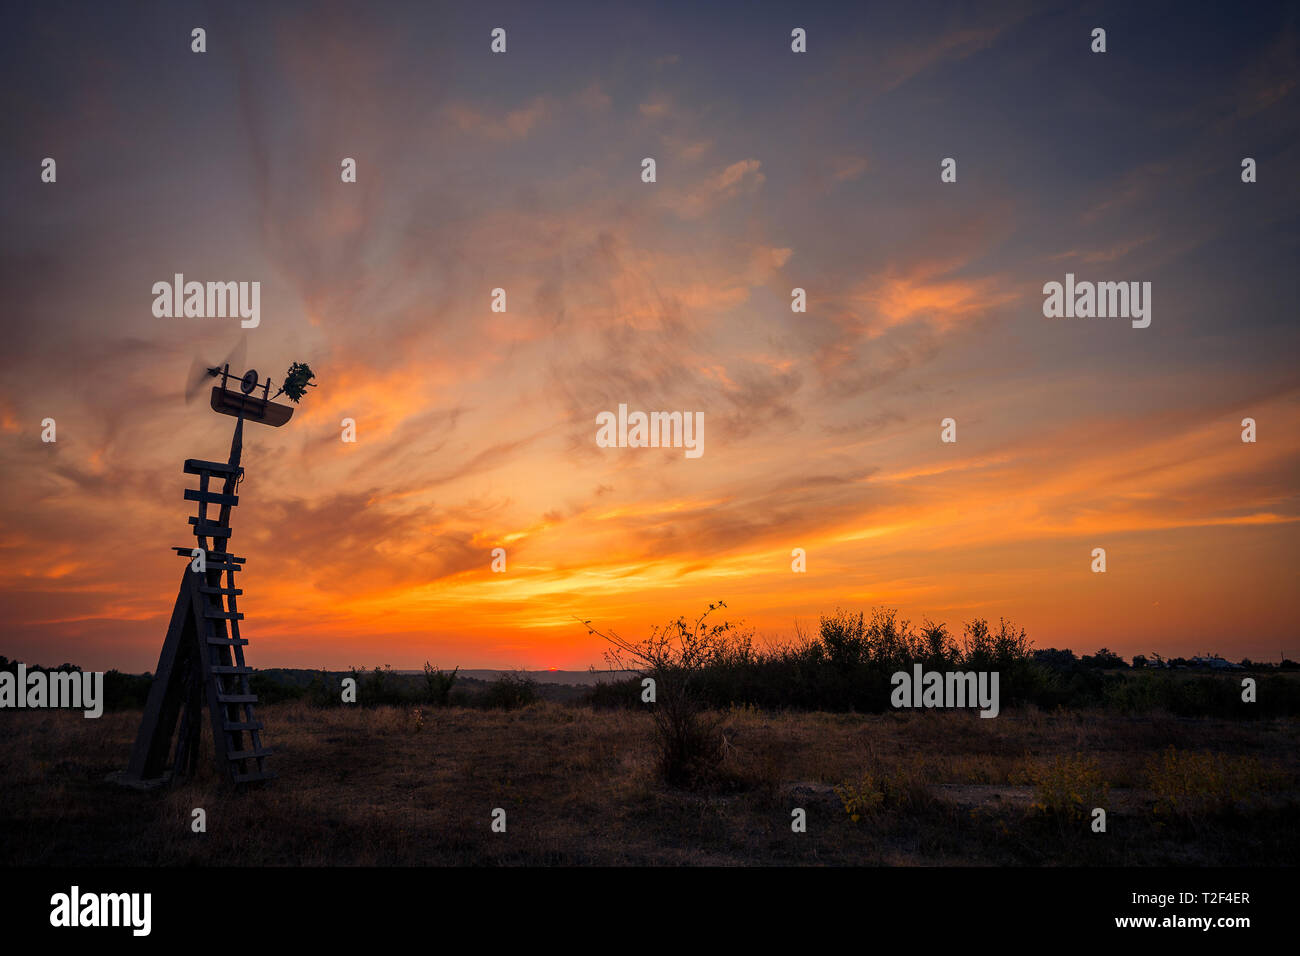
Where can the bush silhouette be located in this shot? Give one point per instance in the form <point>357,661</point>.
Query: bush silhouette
<point>686,736</point>
<point>510,691</point>
<point>438,684</point>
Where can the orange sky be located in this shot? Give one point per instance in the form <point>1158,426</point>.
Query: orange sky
<point>477,429</point>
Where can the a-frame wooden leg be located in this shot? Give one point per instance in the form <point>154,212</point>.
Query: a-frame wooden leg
<point>167,693</point>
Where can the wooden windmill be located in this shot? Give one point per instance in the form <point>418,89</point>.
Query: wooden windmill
<point>202,661</point>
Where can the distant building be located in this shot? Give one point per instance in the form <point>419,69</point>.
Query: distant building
<point>1215,664</point>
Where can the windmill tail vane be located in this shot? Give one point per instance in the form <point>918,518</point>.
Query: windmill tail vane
<point>202,666</point>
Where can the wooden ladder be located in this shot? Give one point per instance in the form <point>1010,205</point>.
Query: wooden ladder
<point>222,680</point>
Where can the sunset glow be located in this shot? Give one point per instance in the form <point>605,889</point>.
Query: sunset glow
<point>476,429</point>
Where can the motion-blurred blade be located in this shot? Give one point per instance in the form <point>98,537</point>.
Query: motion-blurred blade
<point>201,371</point>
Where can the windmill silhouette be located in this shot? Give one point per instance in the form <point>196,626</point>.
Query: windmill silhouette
<point>202,665</point>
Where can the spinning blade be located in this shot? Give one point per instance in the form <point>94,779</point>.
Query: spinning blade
<point>201,371</point>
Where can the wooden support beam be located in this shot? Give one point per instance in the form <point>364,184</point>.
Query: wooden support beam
<point>195,466</point>
<point>166,693</point>
<point>211,497</point>
<point>208,529</point>
<point>243,725</point>
<point>221,555</point>
<point>248,754</point>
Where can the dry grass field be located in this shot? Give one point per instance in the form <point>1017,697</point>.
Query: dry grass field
<point>417,787</point>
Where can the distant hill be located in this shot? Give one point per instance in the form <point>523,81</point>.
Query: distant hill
<point>408,686</point>
<point>575,678</point>
<point>301,677</point>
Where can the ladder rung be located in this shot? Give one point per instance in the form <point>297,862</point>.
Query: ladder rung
<point>243,725</point>
<point>211,497</point>
<point>229,641</point>
<point>223,555</point>
<point>208,529</point>
<point>248,754</point>
<point>230,669</point>
<point>254,777</point>
<point>237,698</point>
<point>207,589</point>
<point>196,466</point>
<point>223,615</point>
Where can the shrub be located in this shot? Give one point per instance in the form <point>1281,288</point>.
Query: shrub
<point>899,788</point>
<point>687,738</point>
<point>1189,785</point>
<point>847,665</point>
<point>1104,658</point>
<point>438,684</point>
<point>373,688</point>
<point>325,690</point>
<point>1068,788</point>
<point>938,650</point>
<point>125,691</point>
<point>1055,659</point>
<point>617,694</point>
<point>843,639</point>
<point>510,691</point>
<point>861,799</point>
<point>271,691</point>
